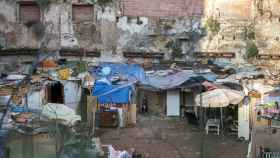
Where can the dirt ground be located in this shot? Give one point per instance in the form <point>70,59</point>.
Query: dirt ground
<point>156,137</point>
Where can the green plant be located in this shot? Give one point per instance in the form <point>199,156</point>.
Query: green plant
<point>44,4</point>
<point>102,3</point>
<point>74,142</point>
<point>250,34</point>
<point>252,50</point>
<point>212,25</point>
<point>176,48</point>
<point>81,67</point>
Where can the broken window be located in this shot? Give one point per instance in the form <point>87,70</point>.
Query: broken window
<point>82,13</point>
<point>55,93</point>
<point>29,12</point>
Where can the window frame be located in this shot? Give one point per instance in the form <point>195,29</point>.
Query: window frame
<point>22,3</point>
<point>81,5</point>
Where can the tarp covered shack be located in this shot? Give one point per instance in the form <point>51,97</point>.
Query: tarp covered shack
<point>115,82</point>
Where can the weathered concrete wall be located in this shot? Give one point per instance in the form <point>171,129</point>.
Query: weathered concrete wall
<point>229,9</point>
<point>267,29</point>
<point>117,27</point>
<point>15,34</point>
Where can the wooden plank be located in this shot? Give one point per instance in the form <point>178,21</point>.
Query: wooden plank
<point>143,55</point>
<point>91,109</point>
<point>34,52</point>
<point>214,54</point>
<point>268,56</point>
<point>79,52</point>
<point>132,113</point>
<point>16,52</point>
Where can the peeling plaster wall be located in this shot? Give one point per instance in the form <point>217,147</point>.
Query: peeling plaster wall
<point>112,33</point>
<point>267,29</point>
<point>68,39</point>
<point>229,9</point>
<point>18,35</point>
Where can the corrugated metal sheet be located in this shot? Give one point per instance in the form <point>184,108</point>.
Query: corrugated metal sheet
<point>271,155</point>
<point>163,8</point>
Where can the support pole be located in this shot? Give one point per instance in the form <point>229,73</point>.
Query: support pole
<point>201,123</point>
<point>91,109</point>
<point>222,124</point>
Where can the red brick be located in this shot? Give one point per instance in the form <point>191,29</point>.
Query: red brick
<point>163,8</point>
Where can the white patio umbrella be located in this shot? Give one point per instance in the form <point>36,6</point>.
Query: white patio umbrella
<point>219,98</point>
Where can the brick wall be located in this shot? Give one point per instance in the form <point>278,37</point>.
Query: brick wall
<point>163,8</point>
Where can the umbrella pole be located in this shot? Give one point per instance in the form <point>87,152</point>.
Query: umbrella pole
<point>221,110</point>
<point>201,123</point>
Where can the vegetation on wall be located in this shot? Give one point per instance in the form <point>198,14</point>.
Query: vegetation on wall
<point>175,46</point>
<point>44,4</point>
<point>252,50</point>
<point>39,30</point>
<point>213,26</point>
<point>250,34</point>
<point>102,3</point>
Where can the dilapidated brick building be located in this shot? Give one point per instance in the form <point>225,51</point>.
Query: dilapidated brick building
<point>140,30</point>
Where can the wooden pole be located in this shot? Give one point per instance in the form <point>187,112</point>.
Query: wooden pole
<point>91,109</point>
<point>222,124</point>
<point>201,122</point>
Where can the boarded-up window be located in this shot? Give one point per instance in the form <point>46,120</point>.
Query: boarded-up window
<point>29,12</point>
<point>81,13</point>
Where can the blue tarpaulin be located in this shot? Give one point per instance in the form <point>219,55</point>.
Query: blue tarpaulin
<point>107,93</point>
<point>119,92</point>
<point>128,71</point>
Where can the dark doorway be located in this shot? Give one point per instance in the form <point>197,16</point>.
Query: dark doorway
<point>55,93</point>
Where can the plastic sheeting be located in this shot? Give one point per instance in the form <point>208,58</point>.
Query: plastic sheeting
<point>107,93</point>
<point>128,71</point>
<point>174,80</point>
<point>117,154</point>
<point>269,99</point>
<point>60,112</point>
<point>168,81</point>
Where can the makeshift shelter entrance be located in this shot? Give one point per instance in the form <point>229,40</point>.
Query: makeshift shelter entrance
<point>113,101</point>
<point>170,83</point>
<point>55,93</point>
<point>115,92</point>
